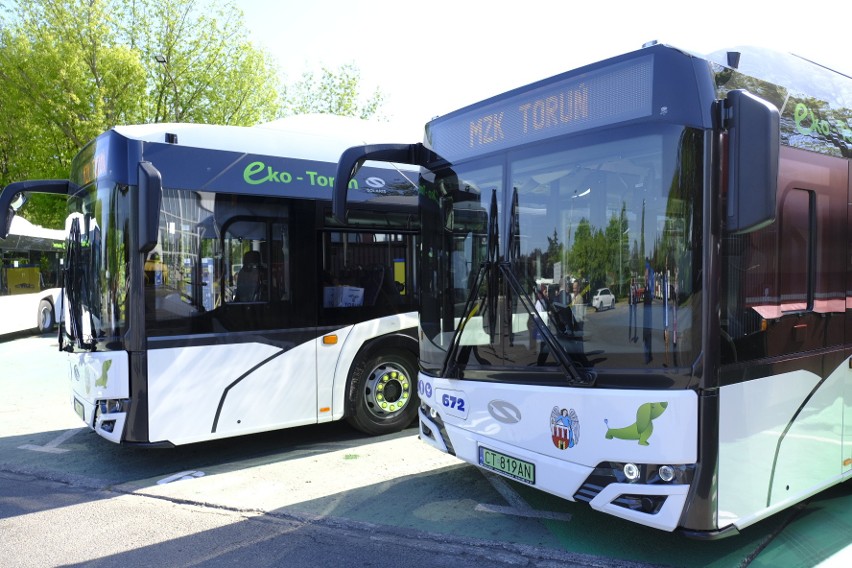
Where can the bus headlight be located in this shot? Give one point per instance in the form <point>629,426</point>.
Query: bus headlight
<point>113,406</point>
<point>649,475</point>
<point>631,471</point>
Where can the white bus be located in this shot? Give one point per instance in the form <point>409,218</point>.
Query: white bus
<point>711,194</point>
<point>210,294</point>
<point>30,265</point>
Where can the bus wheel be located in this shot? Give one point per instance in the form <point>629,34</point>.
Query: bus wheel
<point>383,393</point>
<point>45,316</point>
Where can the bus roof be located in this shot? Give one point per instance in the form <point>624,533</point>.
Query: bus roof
<point>294,157</point>
<point>797,75</point>
<point>313,136</point>
<point>793,73</point>
<point>814,102</point>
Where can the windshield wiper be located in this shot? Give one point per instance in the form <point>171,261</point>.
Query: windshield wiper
<point>72,252</point>
<point>576,375</point>
<point>74,281</point>
<point>472,307</point>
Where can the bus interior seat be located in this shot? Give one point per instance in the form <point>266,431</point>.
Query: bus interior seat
<point>249,278</point>
<point>372,280</point>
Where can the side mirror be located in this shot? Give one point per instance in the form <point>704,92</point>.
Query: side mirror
<point>18,201</point>
<point>7,223</point>
<point>14,195</point>
<point>150,201</point>
<point>352,159</point>
<point>754,139</point>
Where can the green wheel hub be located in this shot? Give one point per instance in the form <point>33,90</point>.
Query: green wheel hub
<point>388,390</point>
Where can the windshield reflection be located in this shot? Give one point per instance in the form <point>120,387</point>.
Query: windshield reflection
<point>598,244</point>
<point>96,269</point>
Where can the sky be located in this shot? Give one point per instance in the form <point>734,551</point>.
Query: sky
<point>430,57</point>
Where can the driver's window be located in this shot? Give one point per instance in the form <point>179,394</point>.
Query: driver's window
<point>245,246</point>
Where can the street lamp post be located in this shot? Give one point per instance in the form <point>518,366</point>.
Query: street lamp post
<point>163,60</point>
<point>620,260</point>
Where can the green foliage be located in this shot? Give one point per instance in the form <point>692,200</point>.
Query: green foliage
<point>62,84</point>
<point>72,69</point>
<point>332,93</point>
<point>555,252</point>
<point>45,210</point>
<point>200,64</point>
<point>600,257</point>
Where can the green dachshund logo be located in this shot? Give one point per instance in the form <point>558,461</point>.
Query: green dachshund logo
<point>102,381</point>
<point>643,427</point>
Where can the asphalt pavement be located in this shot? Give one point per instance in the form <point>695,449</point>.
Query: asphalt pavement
<point>321,495</point>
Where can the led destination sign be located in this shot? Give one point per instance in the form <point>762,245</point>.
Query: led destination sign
<point>614,94</point>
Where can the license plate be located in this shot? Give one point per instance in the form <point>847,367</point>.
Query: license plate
<point>78,408</point>
<point>507,465</point>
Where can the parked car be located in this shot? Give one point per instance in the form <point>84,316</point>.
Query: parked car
<point>603,298</point>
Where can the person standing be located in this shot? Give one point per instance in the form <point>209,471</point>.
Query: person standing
<point>578,307</point>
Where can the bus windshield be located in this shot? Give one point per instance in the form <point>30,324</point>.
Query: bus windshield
<point>97,261</point>
<point>594,252</point>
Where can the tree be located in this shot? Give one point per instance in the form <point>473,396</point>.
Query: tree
<point>71,69</point>
<point>617,248</point>
<point>200,64</point>
<point>555,252</point>
<point>57,88</point>
<point>579,255</point>
<point>332,93</point>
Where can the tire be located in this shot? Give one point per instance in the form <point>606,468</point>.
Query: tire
<point>612,304</point>
<point>383,392</point>
<point>45,316</point>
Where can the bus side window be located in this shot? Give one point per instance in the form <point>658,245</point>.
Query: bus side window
<point>258,253</point>
<point>247,253</point>
<point>364,269</point>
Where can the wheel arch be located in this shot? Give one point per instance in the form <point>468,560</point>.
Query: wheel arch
<point>405,340</point>
<point>381,385</point>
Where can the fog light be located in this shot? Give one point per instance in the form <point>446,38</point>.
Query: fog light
<point>667,473</point>
<point>108,426</point>
<point>631,471</point>
<point>112,406</point>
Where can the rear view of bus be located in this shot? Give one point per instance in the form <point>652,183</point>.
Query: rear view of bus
<point>688,399</point>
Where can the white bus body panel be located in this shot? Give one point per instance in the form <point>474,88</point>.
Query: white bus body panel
<point>334,362</point>
<point>20,312</point>
<point>253,387</point>
<point>522,429</point>
<point>772,453</point>
<point>99,376</point>
<point>216,391</point>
